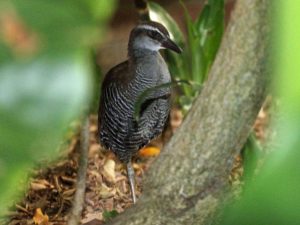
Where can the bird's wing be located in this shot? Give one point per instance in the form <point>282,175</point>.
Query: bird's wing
<point>113,110</point>
<point>152,120</point>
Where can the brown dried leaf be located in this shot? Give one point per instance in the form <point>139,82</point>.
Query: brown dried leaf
<point>94,148</point>
<point>93,127</point>
<point>108,204</point>
<point>69,192</point>
<point>106,192</point>
<point>68,179</point>
<point>92,216</point>
<point>176,119</point>
<point>94,173</point>
<point>40,185</point>
<point>109,170</point>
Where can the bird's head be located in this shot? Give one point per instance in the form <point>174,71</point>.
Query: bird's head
<point>151,36</point>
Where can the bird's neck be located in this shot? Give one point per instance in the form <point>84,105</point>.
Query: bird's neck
<point>135,55</point>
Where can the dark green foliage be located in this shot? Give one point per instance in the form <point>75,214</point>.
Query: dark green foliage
<point>251,154</point>
<point>108,215</point>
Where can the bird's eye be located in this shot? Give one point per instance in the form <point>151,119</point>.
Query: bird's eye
<point>155,35</point>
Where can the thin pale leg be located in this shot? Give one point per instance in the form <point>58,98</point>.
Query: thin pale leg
<point>131,179</point>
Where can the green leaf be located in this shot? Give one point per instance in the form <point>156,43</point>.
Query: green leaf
<point>108,215</point>
<point>190,27</point>
<point>186,103</point>
<point>195,58</point>
<point>201,24</point>
<point>198,62</point>
<point>251,153</point>
<point>210,28</point>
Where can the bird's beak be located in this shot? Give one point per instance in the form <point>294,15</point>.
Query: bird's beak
<point>169,44</point>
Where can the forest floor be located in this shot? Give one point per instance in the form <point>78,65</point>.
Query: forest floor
<point>51,189</point>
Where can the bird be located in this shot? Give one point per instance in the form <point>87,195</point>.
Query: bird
<point>119,130</point>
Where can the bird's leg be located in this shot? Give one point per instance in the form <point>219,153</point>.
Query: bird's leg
<point>131,179</point>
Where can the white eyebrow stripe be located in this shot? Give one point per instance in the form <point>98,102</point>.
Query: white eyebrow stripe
<point>147,27</point>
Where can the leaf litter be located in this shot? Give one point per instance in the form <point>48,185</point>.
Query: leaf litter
<point>48,199</point>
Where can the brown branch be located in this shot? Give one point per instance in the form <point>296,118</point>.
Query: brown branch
<point>187,183</point>
<point>75,215</point>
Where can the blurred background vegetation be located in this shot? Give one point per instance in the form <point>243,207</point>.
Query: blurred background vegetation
<point>47,79</point>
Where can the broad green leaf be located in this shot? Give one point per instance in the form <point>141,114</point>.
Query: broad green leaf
<point>196,58</point>
<point>186,103</point>
<point>191,43</point>
<point>198,62</point>
<point>251,153</point>
<point>210,27</point>
<point>190,27</point>
<point>202,22</point>
<point>215,35</point>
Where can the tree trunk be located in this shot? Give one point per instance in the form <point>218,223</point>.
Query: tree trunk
<point>187,182</point>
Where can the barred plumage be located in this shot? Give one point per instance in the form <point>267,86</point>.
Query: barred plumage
<point>121,88</point>
<point>119,131</point>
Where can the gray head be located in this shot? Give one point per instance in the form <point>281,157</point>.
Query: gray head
<point>151,36</point>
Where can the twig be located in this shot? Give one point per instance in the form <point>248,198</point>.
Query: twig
<point>22,209</point>
<point>75,215</point>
